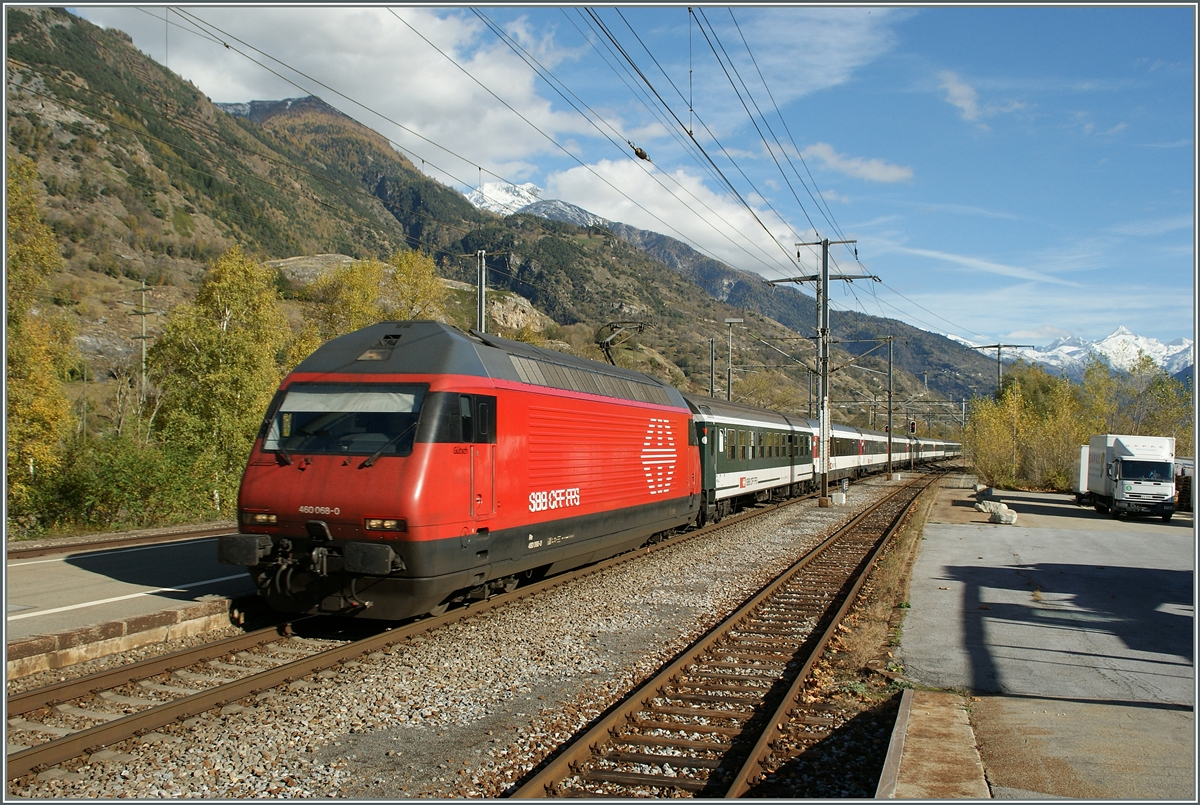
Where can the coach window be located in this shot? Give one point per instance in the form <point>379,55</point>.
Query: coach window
<point>742,445</point>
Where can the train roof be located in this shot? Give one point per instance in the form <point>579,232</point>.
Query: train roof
<point>429,347</point>
<point>711,406</point>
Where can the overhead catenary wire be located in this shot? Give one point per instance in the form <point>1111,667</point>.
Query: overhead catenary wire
<point>825,210</point>
<point>534,126</point>
<point>753,121</point>
<point>657,176</point>
<point>732,188</point>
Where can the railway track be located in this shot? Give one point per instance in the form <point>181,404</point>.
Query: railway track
<point>51,725</point>
<point>34,549</point>
<point>725,714</point>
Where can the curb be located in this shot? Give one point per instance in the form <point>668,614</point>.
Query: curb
<point>31,655</point>
<point>891,766</point>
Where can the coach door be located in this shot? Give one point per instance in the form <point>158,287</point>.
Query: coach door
<point>480,412</point>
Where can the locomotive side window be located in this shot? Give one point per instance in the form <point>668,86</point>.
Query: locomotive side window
<point>458,419</point>
<point>466,416</point>
<point>483,428</point>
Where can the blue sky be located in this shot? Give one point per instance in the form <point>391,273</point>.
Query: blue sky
<point>1010,173</point>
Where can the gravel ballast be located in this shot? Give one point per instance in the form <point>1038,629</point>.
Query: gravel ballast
<point>471,708</point>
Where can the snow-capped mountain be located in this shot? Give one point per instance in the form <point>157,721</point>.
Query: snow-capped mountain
<point>1119,350</point>
<point>504,198</point>
<point>557,210</point>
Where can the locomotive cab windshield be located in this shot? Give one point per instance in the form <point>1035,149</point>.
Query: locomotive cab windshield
<point>344,419</point>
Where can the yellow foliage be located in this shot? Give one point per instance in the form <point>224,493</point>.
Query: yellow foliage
<point>366,292</point>
<point>218,363</point>
<point>39,344</point>
<point>767,390</point>
<point>1030,437</point>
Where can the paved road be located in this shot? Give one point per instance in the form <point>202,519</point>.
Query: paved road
<point>1065,603</point>
<point>1074,632</point>
<point>65,592</point>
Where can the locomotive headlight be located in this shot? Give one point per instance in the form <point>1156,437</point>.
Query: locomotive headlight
<point>259,518</point>
<point>385,524</point>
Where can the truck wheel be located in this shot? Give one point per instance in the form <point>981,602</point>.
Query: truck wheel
<point>1100,508</point>
<point>1166,518</point>
<point>1112,512</point>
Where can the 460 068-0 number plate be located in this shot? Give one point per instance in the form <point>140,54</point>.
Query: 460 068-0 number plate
<point>553,499</point>
<point>320,510</point>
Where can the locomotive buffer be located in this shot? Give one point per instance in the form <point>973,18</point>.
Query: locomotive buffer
<point>821,282</point>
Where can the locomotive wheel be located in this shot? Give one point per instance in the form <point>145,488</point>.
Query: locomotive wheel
<point>440,609</point>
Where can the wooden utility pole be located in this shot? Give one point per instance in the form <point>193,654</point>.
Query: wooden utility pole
<point>822,281</point>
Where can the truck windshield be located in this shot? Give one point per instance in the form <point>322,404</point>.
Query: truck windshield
<point>1146,471</point>
<point>345,419</point>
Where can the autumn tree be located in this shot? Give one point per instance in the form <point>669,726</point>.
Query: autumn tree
<point>993,436</point>
<point>767,390</point>
<point>39,347</point>
<point>217,365</point>
<point>365,292</point>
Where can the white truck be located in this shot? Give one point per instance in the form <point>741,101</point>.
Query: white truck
<point>1132,475</point>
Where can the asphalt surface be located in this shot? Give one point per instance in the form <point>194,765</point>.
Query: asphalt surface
<point>1074,634</point>
<point>51,594</point>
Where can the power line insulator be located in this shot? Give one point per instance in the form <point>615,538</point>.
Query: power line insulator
<point>639,152</point>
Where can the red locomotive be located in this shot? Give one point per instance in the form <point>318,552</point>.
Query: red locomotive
<point>409,465</point>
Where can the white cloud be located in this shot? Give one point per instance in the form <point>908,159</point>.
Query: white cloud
<point>1160,226</point>
<point>872,170</point>
<point>370,55</point>
<point>960,94</point>
<point>1047,332</point>
<point>963,95</point>
<point>682,207</point>
<point>981,265</point>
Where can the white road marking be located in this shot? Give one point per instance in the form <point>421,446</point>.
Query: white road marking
<point>181,588</point>
<point>67,556</point>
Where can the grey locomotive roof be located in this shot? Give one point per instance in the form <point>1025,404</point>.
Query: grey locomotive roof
<point>428,347</point>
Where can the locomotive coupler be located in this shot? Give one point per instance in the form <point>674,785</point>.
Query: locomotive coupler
<point>319,559</point>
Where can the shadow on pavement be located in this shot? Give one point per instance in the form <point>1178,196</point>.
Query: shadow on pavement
<point>1148,609</point>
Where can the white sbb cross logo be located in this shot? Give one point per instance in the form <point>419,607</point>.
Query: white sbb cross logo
<point>658,456</point>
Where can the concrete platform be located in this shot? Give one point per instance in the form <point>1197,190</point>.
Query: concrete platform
<point>1068,637</point>
<point>932,754</point>
<point>87,603</point>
